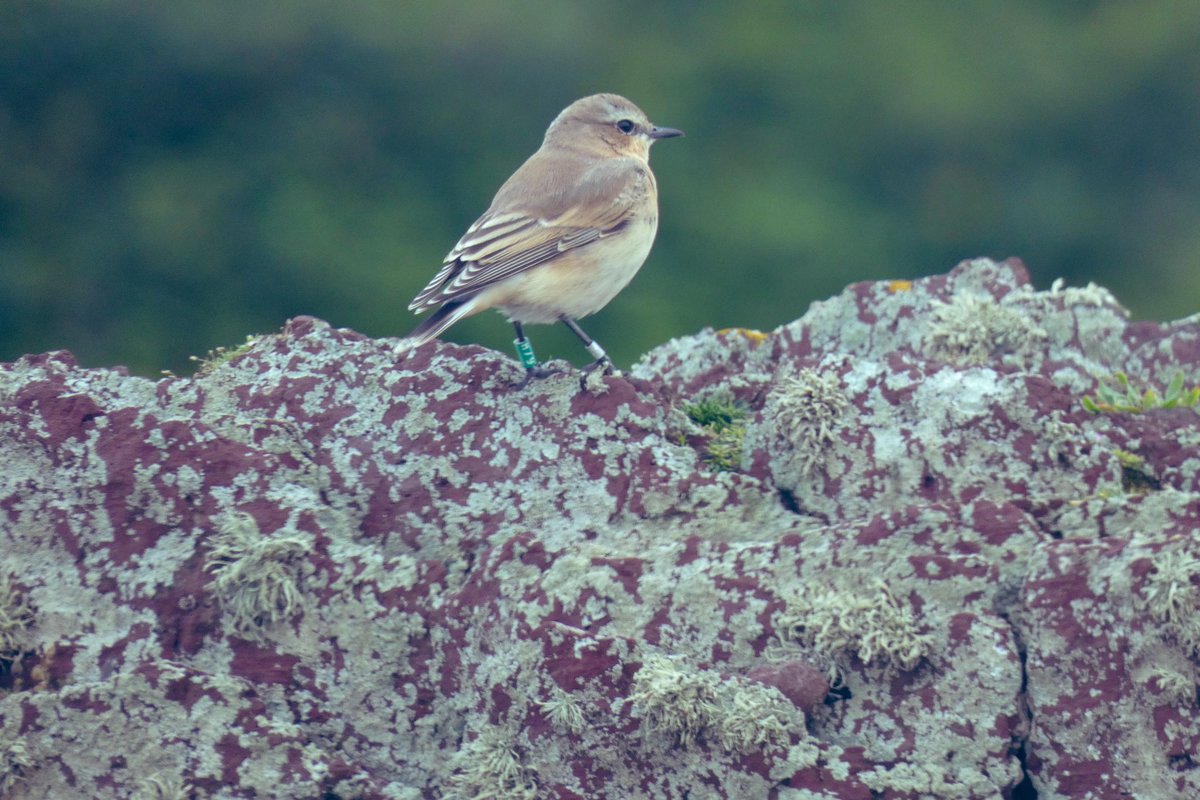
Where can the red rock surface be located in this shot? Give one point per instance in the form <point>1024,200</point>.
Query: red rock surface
<point>317,572</point>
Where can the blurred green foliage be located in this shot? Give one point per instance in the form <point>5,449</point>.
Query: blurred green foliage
<point>174,176</point>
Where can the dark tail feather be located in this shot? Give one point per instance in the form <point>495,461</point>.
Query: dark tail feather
<point>432,326</point>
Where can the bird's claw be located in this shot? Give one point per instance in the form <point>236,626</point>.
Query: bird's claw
<point>536,374</point>
<point>604,365</point>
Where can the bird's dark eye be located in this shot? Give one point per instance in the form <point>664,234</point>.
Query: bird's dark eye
<point>626,126</point>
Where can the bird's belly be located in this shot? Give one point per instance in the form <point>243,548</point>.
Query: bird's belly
<point>578,283</point>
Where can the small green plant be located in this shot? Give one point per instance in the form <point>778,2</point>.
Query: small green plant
<point>207,364</point>
<point>1123,398</point>
<point>723,421</point>
<point>716,413</point>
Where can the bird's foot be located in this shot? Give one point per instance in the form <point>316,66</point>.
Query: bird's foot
<point>601,365</point>
<point>536,373</point>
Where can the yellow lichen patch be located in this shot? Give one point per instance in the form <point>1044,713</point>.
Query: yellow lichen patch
<point>899,286</point>
<point>753,336</point>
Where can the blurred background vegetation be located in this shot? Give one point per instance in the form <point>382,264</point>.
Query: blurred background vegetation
<point>174,176</point>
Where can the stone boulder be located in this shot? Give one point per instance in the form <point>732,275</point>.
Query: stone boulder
<point>883,551</point>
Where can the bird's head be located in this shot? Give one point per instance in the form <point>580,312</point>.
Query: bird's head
<point>606,124</point>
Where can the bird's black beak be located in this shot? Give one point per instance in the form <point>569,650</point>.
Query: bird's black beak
<point>664,133</point>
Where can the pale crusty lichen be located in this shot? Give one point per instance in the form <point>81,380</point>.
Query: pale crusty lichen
<point>864,621</point>
<point>257,578</point>
<point>491,768</point>
<point>973,329</point>
<point>915,779</point>
<point>15,619</point>
<point>805,410</point>
<point>688,706</point>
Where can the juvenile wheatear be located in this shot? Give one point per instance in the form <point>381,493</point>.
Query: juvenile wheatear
<point>564,234</point>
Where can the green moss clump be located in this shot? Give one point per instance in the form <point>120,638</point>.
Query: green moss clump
<point>723,421</point>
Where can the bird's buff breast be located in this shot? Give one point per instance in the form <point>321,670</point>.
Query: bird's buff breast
<point>579,282</point>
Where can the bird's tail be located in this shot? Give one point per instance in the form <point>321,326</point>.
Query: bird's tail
<point>433,326</point>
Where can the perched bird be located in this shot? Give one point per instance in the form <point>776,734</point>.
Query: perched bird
<point>564,234</point>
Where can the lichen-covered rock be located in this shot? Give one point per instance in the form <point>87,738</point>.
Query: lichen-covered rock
<point>312,571</point>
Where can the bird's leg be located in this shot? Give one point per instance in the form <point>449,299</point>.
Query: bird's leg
<point>593,347</point>
<point>528,359</point>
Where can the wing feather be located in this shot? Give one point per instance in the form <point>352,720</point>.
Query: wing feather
<point>513,237</point>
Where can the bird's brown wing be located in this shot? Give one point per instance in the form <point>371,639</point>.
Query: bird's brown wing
<point>520,233</point>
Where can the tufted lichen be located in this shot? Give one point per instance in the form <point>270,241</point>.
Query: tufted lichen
<point>257,578</point>
<point>1170,594</point>
<point>490,768</point>
<point>836,623</point>
<point>15,764</point>
<point>15,618</point>
<point>164,787</point>
<point>689,706</point>
<point>806,410</point>
<point>973,329</point>
<point>1174,685</point>
<point>563,712</point>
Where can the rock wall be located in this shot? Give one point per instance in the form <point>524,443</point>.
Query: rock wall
<point>882,551</point>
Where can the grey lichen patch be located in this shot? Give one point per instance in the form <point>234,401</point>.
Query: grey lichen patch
<point>860,620</point>
<point>258,578</point>
<point>491,768</point>
<point>688,706</point>
<point>1171,596</point>
<point>805,411</point>
<point>930,780</point>
<point>15,619</point>
<point>973,329</point>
